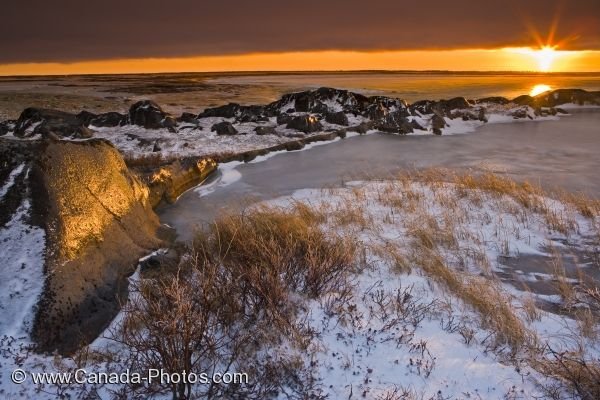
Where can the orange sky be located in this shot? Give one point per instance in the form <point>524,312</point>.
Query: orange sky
<point>517,59</point>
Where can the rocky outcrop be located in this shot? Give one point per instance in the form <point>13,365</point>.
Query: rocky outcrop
<point>239,112</point>
<point>98,222</point>
<point>50,123</point>
<point>150,115</point>
<point>338,118</point>
<point>437,124</point>
<point>265,130</point>
<point>305,123</point>
<point>224,128</point>
<point>170,181</point>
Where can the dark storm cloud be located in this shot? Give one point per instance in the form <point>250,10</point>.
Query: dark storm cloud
<point>46,30</point>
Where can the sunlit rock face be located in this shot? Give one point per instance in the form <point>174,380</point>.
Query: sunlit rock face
<point>98,222</point>
<point>168,182</point>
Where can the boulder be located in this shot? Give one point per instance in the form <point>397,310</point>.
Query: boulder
<point>224,128</point>
<point>362,128</point>
<point>6,126</point>
<point>305,123</point>
<point>338,118</point>
<point>109,119</point>
<point>265,130</point>
<point>524,100</point>
<point>394,122</point>
<point>437,124</point>
<point>97,222</point>
<point>230,110</point>
<point>188,118</point>
<point>33,121</point>
<point>85,117</point>
<point>284,119</point>
<point>493,100</point>
<point>148,114</point>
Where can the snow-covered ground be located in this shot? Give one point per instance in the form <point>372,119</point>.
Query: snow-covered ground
<point>403,331</point>
<point>198,140</point>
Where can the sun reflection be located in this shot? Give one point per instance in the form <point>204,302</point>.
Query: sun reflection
<point>538,89</point>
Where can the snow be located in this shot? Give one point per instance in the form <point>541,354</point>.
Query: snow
<point>364,358</point>
<point>11,180</point>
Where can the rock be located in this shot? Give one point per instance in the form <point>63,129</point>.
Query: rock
<point>46,122</point>
<point>224,128</point>
<point>85,117</point>
<point>437,124</point>
<point>230,110</point>
<point>305,123</point>
<point>109,119</point>
<point>188,118</point>
<point>233,110</point>
<point>284,119</point>
<point>524,100</point>
<point>97,222</point>
<point>6,126</point>
<point>265,130</point>
<point>493,100</point>
<point>375,112</point>
<point>148,114</point>
<point>564,96</point>
<point>523,112</point>
<point>442,107</point>
<point>561,110</point>
<point>394,122</point>
<point>338,118</point>
<point>362,128</point>
<point>320,101</point>
<point>456,103</point>
<point>168,182</point>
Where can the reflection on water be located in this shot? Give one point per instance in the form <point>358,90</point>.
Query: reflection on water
<point>539,89</point>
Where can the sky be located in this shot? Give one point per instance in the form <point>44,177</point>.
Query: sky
<point>97,36</point>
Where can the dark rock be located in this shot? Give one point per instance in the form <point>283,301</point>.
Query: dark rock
<point>394,122</point>
<point>46,122</point>
<point>375,112</point>
<point>188,118</point>
<point>265,130</point>
<point>6,126</point>
<point>109,119</point>
<point>493,100</point>
<point>85,117</point>
<point>224,128</point>
<point>320,108</point>
<point>305,123</point>
<point>521,113</point>
<point>437,124</point>
<point>233,110</point>
<point>283,119</point>
<point>564,96</point>
<point>561,111</point>
<point>524,100</point>
<point>148,114</point>
<point>442,107</point>
<point>230,110</point>
<point>338,118</point>
<point>316,101</point>
<point>363,128</point>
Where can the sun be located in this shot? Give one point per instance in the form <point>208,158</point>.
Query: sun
<point>545,56</point>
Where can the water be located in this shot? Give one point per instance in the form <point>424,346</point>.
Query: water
<point>554,153</point>
<point>416,86</point>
